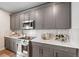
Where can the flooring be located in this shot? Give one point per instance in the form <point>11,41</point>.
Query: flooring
<point>7,53</point>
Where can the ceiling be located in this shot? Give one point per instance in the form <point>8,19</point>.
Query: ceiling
<point>13,7</point>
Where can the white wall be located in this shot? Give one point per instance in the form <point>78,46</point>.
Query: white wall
<point>75,15</point>
<point>4,26</point>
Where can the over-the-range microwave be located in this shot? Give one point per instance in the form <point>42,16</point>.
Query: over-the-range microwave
<point>28,24</point>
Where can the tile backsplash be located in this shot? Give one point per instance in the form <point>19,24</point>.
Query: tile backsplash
<point>38,33</point>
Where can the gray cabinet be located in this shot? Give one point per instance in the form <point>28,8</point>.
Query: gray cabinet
<point>12,22</point>
<point>35,52</point>
<point>60,53</point>
<point>45,50</point>
<point>39,50</point>
<point>14,45</point>
<point>47,16</point>
<point>22,18</point>
<point>10,44</point>
<point>39,18</point>
<point>15,22</point>
<point>62,15</point>
<point>27,15</point>
<point>53,16</point>
<point>33,14</point>
<point>7,45</point>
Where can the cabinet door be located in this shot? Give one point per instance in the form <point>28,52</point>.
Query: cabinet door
<point>14,45</point>
<point>35,51</point>
<point>62,15</point>
<point>7,44</point>
<point>49,17</point>
<point>27,15</point>
<point>13,22</point>
<point>59,53</point>
<point>33,14</point>
<point>11,44</point>
<point>39,18</point>
<point>22,18</point>
<point>52,52</point>
<point>41,51</point>
<point>46,52</point>
<point>17,22</point>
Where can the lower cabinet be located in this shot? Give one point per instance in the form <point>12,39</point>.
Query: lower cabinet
<point>10,44</point>
<point>14,45</point>
<point>46,52</point>
<point>7,45</point>
<point>35,51</point>
<point>40,50</point>
<point>59,53</point>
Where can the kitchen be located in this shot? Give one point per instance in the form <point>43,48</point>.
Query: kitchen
<point>40,29</point>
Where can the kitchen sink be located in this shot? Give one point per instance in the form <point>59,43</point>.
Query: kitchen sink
<point>27,38</point>
<point>22,38</point>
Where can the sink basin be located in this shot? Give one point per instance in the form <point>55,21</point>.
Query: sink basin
<point>27,38</point>
<point>22,38</point>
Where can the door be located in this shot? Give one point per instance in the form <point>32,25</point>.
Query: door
<point>27,15</point>
<point>35,51</point>
<point>52,52</point>
<point>49,17</point>
<point>11,44</point>
<point>17,22</point>
<point>13,22</point>
<point>46,52</point>
<point>39,18</point>
<point>60,53</point>
<point>7,43</point>
<point>14,45</point>
<point>22,18</point>
<point>33,14</point>
<point>62,15</point>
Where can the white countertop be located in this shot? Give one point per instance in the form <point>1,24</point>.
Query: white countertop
<point>70,44</point>
<point>56,42</point>
<point>15,37</point>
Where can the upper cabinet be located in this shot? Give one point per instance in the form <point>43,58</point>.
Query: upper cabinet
<point>15,22</point>
<point>63,15</point>
<point>47,16</point>
<point>22,18</point>
<point>27,15</point>
<point>54,16</point>
<point>39,21</point>
<point>12,22</point>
